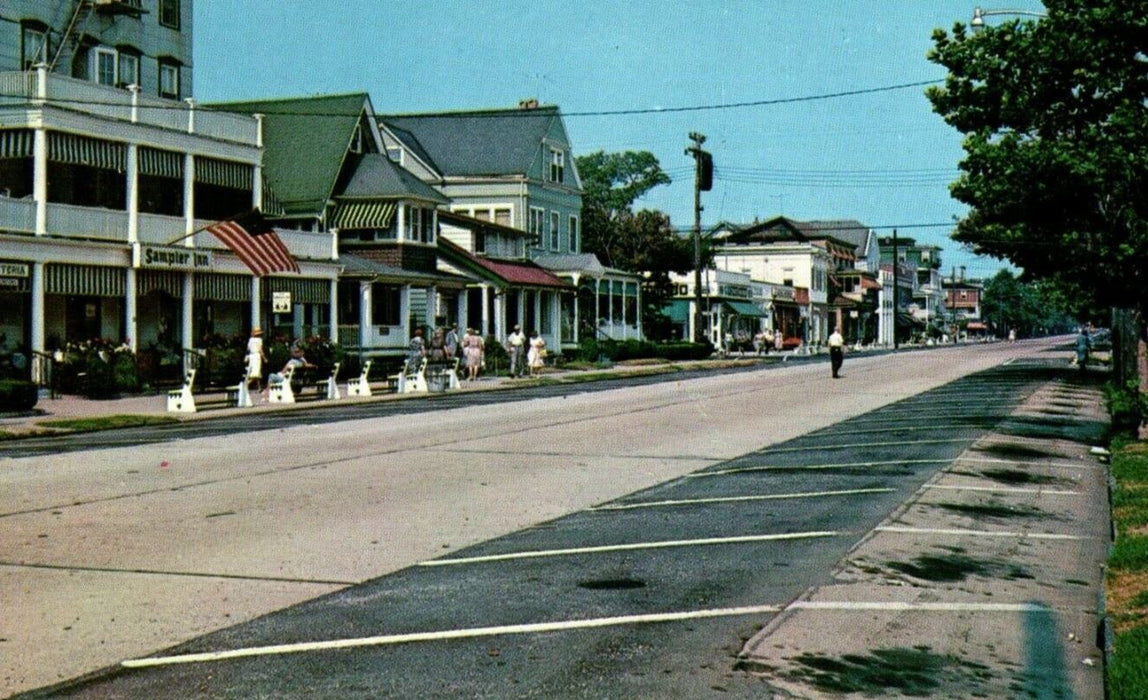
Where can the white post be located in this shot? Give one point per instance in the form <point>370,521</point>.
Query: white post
<point>135,91</point>
<point>131,284</point>
<point>133,182</point>
<point>333,310</point>
<point>365,312</point>
<point>485,330</point>
<point>256,291</point>
<point>188,320</point>
<point>37,320</point>
<point>405,313</point>
<point>40,179</point>
<point>189,198</point>
<point>190,114</point>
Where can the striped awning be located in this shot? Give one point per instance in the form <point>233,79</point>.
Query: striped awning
<point>271,206</point>
<point>166,281</point>
<point>84,280</point>
<point>224,173</point>
<point>159,163</point>
<point>16,143</point>
<point>80,150</point>
<point>360,215</point>
<point>303,291</point>
<point>217,287</point>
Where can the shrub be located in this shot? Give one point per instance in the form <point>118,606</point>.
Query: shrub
<point>18,395</point>
<point>592,350</point>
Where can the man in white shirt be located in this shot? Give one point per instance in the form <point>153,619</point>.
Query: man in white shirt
<point>836,352</point>
<point>516,348</point>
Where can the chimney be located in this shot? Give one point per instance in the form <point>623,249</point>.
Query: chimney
<point>528,103</point>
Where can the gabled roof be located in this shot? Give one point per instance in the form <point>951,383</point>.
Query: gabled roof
<point>473,224</point>
<point>849,230</point>
<point>364,267</point>
<point>582,264</point>
<point>510,273</point>
<point>377,176</point>
<point>477,143</point>
<point>783,230</point>
<point>305,142</point>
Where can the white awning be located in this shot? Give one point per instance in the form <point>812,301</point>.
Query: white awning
<point>363,215</point>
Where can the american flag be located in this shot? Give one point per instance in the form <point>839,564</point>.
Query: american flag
<point>252,239</point>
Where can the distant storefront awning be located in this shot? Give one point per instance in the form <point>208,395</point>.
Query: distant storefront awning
<point>363,215</point>
<point>744,308</point>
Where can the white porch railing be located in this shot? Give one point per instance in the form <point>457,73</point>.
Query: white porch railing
<point>18,215</point>
<point>20,87</point>
<point>379,338</point>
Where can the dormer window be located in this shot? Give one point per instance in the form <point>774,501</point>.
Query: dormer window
<point>357,139</point>
<point>34,44</point>
<point>557,165</point>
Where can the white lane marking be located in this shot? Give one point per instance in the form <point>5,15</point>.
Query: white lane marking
<point>1021,463</point>
<point>742,539</point>
<point>388,639</point>
<point>838,465</point>
<point>924,607</point>
<point>1003,489</point>
<point>978,533</point>
<point>739,499</point>
<point>567,625</point>
<point>859,445</point>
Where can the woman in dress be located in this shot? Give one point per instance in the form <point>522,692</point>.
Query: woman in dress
<point>472,353</point>
<point>535,354</point>
<point>255,359</point>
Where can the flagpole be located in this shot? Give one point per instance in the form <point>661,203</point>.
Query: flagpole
<point>204,228</point>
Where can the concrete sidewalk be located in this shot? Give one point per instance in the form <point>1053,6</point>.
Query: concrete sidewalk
<point>987,583</point>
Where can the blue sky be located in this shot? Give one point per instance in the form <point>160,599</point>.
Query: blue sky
<point>882,158</point>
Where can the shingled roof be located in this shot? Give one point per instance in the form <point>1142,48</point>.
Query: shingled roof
<point>476,143</point>
<point>305,141</point>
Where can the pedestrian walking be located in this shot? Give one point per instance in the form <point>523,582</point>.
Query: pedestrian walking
<point>536,356</point>
<point>452,342</point>
<point>516,349</point>
<point>836,352</point>
<point>472,351</point>
<point>1083,348</point>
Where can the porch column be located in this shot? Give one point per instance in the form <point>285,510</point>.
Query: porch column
<point>37,320</point>
<point>638,320</point>
<point>186,323</point>
<point>40,178</point>
<point>538,310</point>
<point>405,313</point>
<point>461,309</point>
<point>500,315</point>
<point>577,309</point>
<point>256,291</point>
<point>556,318</point>
<point>131,330</point>
<point>366,294</point>
<point>485,310</point>
<point>132,178</point>
<point>333,311</point>
<point>431,311</point>
<point>189,198</point>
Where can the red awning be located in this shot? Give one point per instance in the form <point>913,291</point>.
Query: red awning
<point>975,326</point>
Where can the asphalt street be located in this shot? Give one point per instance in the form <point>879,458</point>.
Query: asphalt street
<point>660,591</point>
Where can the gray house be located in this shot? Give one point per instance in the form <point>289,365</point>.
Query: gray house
<point>515,168</point>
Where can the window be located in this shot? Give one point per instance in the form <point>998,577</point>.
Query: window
<point>502,217</point>
<point>537,221</point>
<point>554,230</point>
<point>418,224</point>
<point>34,45</point>
<point>386,302</point>
<point>482,214</point>
<point>357,139</point>
<point>129,69</point>
<point>573,234</point>
<point>104,66</point>
<point>557,165</point>
<point>169,13</point>
<point>169,79</point>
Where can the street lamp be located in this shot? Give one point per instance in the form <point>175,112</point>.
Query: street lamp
<point>978,21</point>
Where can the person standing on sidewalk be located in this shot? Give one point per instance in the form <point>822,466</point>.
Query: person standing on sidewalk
<point>836,352</point>
<point>516,347</point>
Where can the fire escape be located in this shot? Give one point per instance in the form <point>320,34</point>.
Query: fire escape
<point>82,10</point>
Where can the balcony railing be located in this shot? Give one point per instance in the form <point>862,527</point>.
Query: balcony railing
<point>92,223</point>
<point>22,89</point>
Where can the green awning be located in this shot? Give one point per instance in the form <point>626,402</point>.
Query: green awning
<point>678,310</point>
<point>744,308</point>
<point>363,215</point>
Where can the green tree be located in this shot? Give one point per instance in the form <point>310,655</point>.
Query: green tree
<point>1029,308</point>
<point>643,242</point>
<point>1056,145</point>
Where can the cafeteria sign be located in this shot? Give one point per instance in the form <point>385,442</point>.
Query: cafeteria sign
<point>281,302</point>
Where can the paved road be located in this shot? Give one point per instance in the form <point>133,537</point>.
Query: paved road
<point>623,543</point>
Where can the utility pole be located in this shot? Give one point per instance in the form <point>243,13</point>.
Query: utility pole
<point>896,279</point>
<point>703,182</point>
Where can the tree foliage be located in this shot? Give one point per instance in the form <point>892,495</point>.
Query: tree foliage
<point>1056,143</point>
<point>642,242</point>
<point>1029,308</point>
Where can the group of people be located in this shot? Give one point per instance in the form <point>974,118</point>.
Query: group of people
<point>256,357</point>
<point>527,354</point>
<point>445,345</point>
<point>766,340</point>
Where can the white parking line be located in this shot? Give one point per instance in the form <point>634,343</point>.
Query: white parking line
<point>1003,489</point>
<point>977,533</point>
<point>382,640</point>
<point>861,445</point>
<point>838,465</point>
<point>738,499</point>
<point>568,625</point>
<point>742,539</point>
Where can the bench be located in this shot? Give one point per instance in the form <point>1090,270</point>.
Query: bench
<point>360,386</point>
<point>329,386</point>
<point>442,376</point>
<point>409,381</point>
<point>279,389</point>
<point>239,395</point>
<point>180,400</point>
